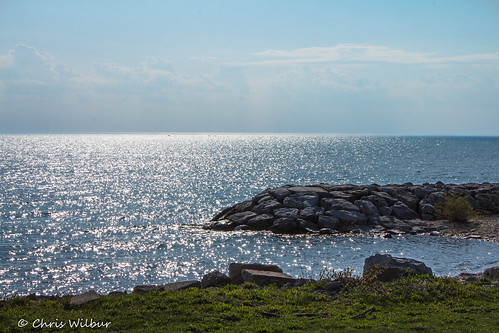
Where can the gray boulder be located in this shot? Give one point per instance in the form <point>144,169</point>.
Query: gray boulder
<point>287,212</point>
<point>367,207</point>
<point>385,211</point>
<point>241,217</point>
<point>147,288</point>
<point>392,223</point>
<point>338,204</point>
<point>307,226</point>
<point>311,213</point>
<point>376,200</point>
<point>310,189</point>
<point>279,193</point>
<point>386,197</point>
<point>266,206</point>
<point>343,195</point>
<point>492,273</point>
<point>388,268</point>
<point>435,198</point>
<point>236,268</point>
<point>488,202</point>
<point>181,285</point>
<point>240,207</point>
<point>427,211</point>
<point>411,200</point>
<point>328,222</point>
<point>215,279</point>
<point>168,287</point>
<point>260,222</point>
<point>264,278</point>
<point>301,200</point>
<point>84,298</point>
<point>420,191</point>
<point>348,217</point>
<point>285,225</point>
<point>404,212</point>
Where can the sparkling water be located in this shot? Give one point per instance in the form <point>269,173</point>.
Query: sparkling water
<point>108,212</point>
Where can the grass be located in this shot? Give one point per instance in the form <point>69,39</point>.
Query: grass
<point>417,303</point>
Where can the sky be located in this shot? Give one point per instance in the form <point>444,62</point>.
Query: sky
<point>354,67</point>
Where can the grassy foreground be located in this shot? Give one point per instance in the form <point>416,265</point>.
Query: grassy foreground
<point>424,303</point>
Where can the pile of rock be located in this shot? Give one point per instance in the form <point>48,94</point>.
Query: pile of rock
<point>382,267</point>
<point>327,208</point>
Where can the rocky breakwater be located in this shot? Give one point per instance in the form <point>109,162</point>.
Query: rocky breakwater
<point>373,209</point>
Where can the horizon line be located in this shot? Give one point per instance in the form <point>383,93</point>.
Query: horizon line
<point>245,133</point>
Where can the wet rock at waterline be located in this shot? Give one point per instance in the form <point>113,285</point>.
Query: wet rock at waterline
<point>330,209</point>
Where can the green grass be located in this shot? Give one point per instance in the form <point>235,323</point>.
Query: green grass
<point>419,304</point>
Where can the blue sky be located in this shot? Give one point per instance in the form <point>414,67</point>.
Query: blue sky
<point>373,67</point>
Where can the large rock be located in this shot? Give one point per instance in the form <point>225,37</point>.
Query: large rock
<point>411,200</point>
<point>241,217</point>
<point>376,200</point>
<point>181,285</point>
<point>267,206</point>
<point>168,287</point>
<point>329,222</point>
<point>236,268</point>
<point>263,278</point>
<point>307,226</point>
<point>339,204</point>
<point>488,202</point>
<point>301,200</point>
<point>420,191</point>
<point>84,298</point>
<point>311,213</point>
<point>261,222</point>
<point>386,197</point>
<point>215,279</point>
<point>367,207</point>
<point>492,273</point>
<point>287,212</point>
<point>237,208</point>
<point>309,189</point>
<point>279,193</point>
<point>404,212</point>
<point>147,288</point>
<point>392,223</point>
<point>434,198</point>
<point>427,211</point>
<point>348,217</point>
<point>285,225</point>
<point>384,267</point>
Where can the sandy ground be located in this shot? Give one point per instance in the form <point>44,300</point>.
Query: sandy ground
<point>484,227</point>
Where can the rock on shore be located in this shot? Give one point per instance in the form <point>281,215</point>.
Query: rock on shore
<point>328,209</point>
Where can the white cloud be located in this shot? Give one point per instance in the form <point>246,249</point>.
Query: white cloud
<point>352,53</point>
<point>321,88</point>
<point>25,64</point>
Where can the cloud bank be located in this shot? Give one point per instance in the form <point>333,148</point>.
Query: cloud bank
<point>350,53</point>
<point>345,88</point>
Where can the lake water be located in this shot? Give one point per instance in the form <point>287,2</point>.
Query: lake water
<point>108,212</point>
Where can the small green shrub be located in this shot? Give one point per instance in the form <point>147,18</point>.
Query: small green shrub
<point>455,208</point>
